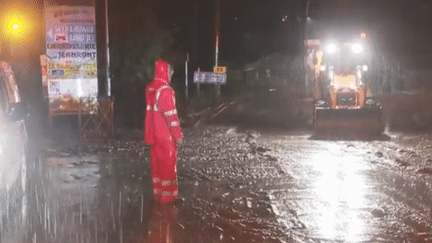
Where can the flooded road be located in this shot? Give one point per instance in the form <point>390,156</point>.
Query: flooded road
<point>352,191</point>
<point>237,185</point>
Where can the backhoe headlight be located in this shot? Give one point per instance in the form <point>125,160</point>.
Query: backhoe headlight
<point>331,48</point>
<point>357,48</point>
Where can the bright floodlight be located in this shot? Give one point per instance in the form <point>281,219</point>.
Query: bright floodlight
<point>357,48</point>
<point>331,48</point>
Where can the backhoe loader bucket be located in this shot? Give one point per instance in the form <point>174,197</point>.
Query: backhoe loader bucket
<point>364,120</point>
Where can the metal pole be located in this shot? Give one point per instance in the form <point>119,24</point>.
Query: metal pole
<point>108,74</point>
<point>217,30</point>
<point>198,84</point>
<point>187,79</point>
<point>47,98</point>
<point>306,22</point>
<point>80,120</point>
<point>307,85</point>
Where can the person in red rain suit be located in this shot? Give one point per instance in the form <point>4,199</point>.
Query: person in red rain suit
<point>162,133</point>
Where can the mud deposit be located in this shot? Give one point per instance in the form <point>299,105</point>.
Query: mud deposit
<point>237,185</point>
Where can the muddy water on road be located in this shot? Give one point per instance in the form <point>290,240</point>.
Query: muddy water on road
<point>90,196</point>
<point>237,186</point>
<point>103,194</point>
<point>351,191</point>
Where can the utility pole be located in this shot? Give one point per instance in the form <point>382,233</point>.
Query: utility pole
<point>217,31</point>
<point>304,48</point>
<point>102,42</point>
<point>217,35</point>
<point>108,73</point>
<point>187,80</point>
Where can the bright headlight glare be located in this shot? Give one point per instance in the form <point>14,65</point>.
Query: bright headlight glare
<point>357,48</point>
<point>331,48</point>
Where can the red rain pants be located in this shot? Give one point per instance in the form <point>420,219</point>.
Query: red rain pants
<point>164,171</point>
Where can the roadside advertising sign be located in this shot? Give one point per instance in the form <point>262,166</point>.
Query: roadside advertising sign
<point>71,52</point>
<point>210,78</point>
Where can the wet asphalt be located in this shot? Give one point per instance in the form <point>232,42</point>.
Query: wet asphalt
<point>236,185</point>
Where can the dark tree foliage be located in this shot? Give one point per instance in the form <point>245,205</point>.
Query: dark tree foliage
<point>137,41</point>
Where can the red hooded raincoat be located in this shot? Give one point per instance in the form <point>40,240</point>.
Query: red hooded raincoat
<point>162,131</point>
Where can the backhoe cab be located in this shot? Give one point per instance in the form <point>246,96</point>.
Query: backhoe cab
<point>341,94</point>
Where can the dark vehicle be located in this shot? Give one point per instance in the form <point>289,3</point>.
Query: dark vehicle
<point>13,141</point>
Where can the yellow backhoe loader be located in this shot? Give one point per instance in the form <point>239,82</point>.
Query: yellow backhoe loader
<point>343,100</point>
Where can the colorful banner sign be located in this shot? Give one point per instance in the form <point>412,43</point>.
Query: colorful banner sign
<point>71,51</point>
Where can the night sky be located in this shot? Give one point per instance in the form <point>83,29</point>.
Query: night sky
<point>251,29</point>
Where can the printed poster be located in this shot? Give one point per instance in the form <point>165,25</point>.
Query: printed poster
<point>71,51</point>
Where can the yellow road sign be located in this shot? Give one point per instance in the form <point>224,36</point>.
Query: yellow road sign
<point>219,69</point>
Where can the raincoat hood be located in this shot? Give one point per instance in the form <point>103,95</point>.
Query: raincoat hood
<point>161,71</point>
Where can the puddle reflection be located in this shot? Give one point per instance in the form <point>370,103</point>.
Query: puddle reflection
<point>340,190</point>
<point>163,224</point>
